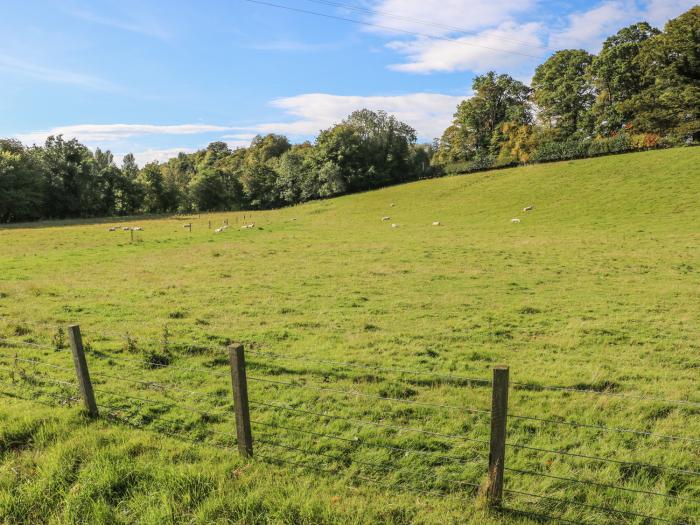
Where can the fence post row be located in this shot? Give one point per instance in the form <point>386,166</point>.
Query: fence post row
<point>240,400</point>
<point>81,370</point>
<point>497,450</point>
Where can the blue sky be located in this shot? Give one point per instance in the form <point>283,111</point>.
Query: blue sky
<point>157,77</point>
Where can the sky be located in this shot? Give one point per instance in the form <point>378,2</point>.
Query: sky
<point>157,77</point>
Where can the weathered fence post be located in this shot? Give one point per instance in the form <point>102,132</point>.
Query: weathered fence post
<point>497,451</point>
<point>81,369</point>
<point>240,400</point>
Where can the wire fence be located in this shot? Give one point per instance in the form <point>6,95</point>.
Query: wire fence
<point>297,431</point>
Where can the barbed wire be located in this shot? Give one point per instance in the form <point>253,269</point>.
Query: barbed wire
<point>519,385</point>
<point>313,386</point>
<point>40,378</point>
<point>369,367</point>
<point>602,485</point>
<point>358,441</point>
<point>604,428</point>
<point>165,403</point>
<point>605,460</point>
<point>608,510</point>
<point>371,423</point>
<point>41,363</point>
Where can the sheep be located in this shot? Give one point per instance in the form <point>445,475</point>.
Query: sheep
<point>137,229</point>
<point>394,225</point>
<point>528,208</point>
<point>218,230</point>
<point>126,229</point>
<point>248,226</point>
<point>386,218</point>
<point>392,204</point>
<point>113,229</point>
<point>515,221</point>
<point>436,223</point>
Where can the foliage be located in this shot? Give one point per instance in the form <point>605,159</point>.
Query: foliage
<point>595,289</point>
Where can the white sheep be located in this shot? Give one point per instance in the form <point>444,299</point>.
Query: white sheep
<point>386,218</point>
<point>137,229</point>
<point>113,229</point>
<point>126,229</point>
<point>436,223</point>
<point>248,226</point>
<point>528,208</point>
<point>515,221</point>
<point>218,230</point>
<point>394,225</point>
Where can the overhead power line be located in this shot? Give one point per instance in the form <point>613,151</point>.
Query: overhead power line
<point>389,28</point>
<point>421,21</point>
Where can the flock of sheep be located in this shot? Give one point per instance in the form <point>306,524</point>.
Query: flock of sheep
<point>127,229</point>
<point>251,225</point>
<point>516,220</point>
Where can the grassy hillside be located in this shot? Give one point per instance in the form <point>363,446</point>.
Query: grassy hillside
<point>597,288</point>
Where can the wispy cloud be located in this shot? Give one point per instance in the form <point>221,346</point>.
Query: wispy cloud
<point>48,74</point>
<point>428,113</point>
<point>134,21</point>
<point>153,155</point>
<point>486,50</point>
<point>99,133</point>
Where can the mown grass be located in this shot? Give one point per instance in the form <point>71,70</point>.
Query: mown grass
<point>597,288</point>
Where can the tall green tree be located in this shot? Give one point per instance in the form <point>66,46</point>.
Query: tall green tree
<point>670,62</point>
<point>497,99</point>
<point>21,183</point>
<point>563,92</point>
<point>617,77</point>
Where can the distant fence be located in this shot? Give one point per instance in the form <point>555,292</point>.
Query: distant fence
<point>495,467</point>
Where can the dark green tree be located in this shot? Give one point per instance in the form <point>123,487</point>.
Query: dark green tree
<point>617,77</point>
<point>563,92</point>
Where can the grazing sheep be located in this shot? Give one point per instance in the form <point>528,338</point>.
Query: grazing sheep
<point>392,204</point>
<point>137,229</point>
<point>386,218</point>
<point>528,208</point>
<point>394,225</point>
<point>248,226</point>
<point>218,230</point>
<point>515,221</point>
<point>436,223</point>
<point>113,229</point>
<point>126,229</point>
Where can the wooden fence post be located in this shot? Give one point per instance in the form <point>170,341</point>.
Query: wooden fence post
<point>497,451</point>
<point>81,369</point>
<point>240,400</point>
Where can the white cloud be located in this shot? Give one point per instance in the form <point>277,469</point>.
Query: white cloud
<point>92,133</point>
<point>428,113</point>
<point>48,74</point>
<point>658,12</point>
<point>588,29</point>
<point>446,16</point>
<point>479,53</point>
<point>240,136</point>
<point>151,155</point>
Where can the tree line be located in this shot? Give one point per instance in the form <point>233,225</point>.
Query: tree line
<point>641,91</point>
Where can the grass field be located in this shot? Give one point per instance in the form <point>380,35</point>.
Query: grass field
<point>598,288</point>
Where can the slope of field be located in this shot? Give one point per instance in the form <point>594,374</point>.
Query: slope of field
<point>597,288</point>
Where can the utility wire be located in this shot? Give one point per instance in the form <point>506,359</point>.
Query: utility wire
<point>380,26</point>
<point>421,21</point>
